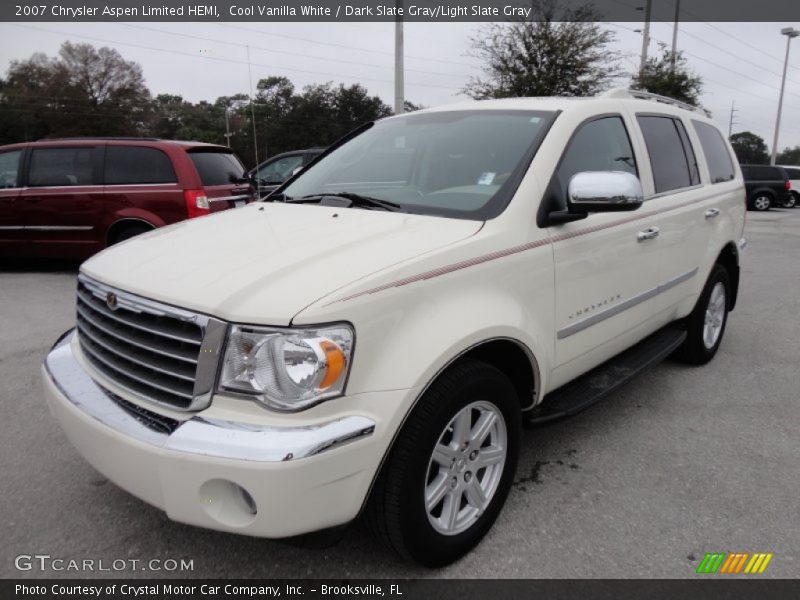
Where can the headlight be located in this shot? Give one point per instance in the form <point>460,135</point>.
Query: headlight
<point>287,369</point>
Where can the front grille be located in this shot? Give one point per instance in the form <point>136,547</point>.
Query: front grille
<point>148,349</point>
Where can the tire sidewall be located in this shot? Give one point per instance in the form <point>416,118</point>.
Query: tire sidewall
<point>425,544</point>
<point>718,275</point>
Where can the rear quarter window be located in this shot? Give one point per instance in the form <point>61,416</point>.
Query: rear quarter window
<point>793,173</point>
<point>137,165</point>
<point>765,174</point>
<point>718,158</point>
<point>217,168</point>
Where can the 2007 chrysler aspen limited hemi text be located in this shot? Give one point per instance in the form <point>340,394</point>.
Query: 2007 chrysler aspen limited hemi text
<point>370,337</point>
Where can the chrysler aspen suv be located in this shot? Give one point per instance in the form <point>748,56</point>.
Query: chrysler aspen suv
<point>370,339</point>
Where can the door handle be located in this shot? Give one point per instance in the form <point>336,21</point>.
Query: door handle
<point>711,213</point>
<point>648,234</point>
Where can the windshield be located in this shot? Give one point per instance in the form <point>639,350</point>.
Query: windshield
<point>463,164</point>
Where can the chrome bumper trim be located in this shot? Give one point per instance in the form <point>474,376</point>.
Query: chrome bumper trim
<point>199,435</point>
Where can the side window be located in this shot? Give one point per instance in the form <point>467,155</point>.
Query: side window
<point>280,170</point>
<point>794,174</point>
<point>134,164</point>
<point>691,159</point>
<point>62,167</point>
<point>599,145</point>
<point>9,168</point>
<point>720,165</point>
<point>764,174</point>
<point>670,160</point>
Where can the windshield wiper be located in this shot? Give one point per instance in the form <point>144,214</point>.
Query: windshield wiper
<point>355,200</point>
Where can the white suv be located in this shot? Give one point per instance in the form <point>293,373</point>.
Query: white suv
<point>371,338</point>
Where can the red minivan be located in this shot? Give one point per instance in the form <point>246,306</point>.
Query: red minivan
<point>71,198</point>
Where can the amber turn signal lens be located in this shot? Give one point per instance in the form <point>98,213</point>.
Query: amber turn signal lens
<point>335,359</point>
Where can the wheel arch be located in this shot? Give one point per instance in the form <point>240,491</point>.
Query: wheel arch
<point>729,259</point>
<point>121,224</point>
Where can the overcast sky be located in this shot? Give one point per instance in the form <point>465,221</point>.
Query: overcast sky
<point>739,62</point>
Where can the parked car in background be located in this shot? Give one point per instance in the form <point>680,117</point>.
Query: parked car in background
<point>70,198</point>
<point>793,172</point>
<point>275,170</point>
<point>767,187</point>
<point>371,338</point>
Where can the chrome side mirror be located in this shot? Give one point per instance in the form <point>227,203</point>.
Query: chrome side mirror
<point>604,191</point>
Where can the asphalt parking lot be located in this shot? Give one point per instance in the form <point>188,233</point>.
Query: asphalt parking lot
<point>680,462</point>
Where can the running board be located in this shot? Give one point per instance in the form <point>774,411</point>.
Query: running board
<point>596,384</point>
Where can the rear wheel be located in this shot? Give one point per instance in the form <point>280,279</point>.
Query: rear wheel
<point>127,233</point>
<point>451,468</point>
<point>761,202</point>
<point>790,201</point>
<point>706,325</point>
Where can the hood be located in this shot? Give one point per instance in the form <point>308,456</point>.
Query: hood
<point>267,261</point>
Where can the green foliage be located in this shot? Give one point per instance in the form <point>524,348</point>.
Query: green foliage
<point>669,75</point>
<point>789,156</point>
<point>556,54</point>
<point>750,148</point>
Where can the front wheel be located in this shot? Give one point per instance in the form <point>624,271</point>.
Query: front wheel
<point>706,324</point>
<point>451,468</point>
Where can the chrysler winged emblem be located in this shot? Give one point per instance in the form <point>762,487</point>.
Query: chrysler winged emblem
<point>111,300</point>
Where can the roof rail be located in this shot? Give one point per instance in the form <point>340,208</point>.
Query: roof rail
<point>643,95</point>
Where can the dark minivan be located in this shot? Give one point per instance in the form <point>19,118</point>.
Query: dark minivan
<point>271,173</point>
<point>767,187</point>
<point>71,198</point>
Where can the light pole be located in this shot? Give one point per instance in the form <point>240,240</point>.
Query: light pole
<point>790,33</point>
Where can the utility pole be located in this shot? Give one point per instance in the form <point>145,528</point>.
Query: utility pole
<point>675,32</point>
<point>645,35</point>
<point>730,122</point>
<point>228,133</point>
<point>252,106</point>
<point>790,33</point>
<point>399,84</point>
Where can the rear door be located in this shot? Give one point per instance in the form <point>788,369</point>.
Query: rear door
<point>10,214</point>
<point>62,202</point>
<point>218,169</point>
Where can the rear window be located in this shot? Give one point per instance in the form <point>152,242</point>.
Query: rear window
<point>134,164</point>
<point>217,168</point>
<point>671,156</point>
<point>720,165</point>
<point>62,167</point>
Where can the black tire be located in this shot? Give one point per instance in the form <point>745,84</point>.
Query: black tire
<point>793,203</point>
<point>761,202</point>
<point>696,350</point>
<point>396,511</point>
<point>127,233</point>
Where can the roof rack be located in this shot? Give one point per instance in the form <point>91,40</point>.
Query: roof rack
<point>642,95</point>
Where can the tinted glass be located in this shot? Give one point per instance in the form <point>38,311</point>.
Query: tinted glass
<point>279,170</point>
<point>130,164</point>
<point>793,173</point>
<point>217,168</point>
<point>599,145</point>
<point>691,159</point>
<point>9,168</point>
<point>668,158</point>
<point>720,165</point>
<point>453,163</point>
<point>764,173</point>
<point>62,167</point>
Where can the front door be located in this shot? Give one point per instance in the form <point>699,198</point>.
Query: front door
<point>606,266</point>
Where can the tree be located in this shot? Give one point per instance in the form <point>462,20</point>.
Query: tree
<point>549,56</point>
<point>83,91</point>
<point>749,148</point>
<point>669,75</point>
<point>789,156</point>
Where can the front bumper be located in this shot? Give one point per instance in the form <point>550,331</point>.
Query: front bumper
<point>259,480</point>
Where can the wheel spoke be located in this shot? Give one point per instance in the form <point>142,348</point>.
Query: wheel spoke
<point>435,491</point>
<point>452,504</point>
<point>489,456</point>
<point>444,455</point>
<point>461,427</point>
<point>482,428</point>
<point>475,495</point>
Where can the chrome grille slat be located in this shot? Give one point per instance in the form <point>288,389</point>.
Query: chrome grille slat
<point>127,338</point>
<point>96,304</point>
<point>151,350</point>
<point>129,373</point>
<point>138,358</point>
